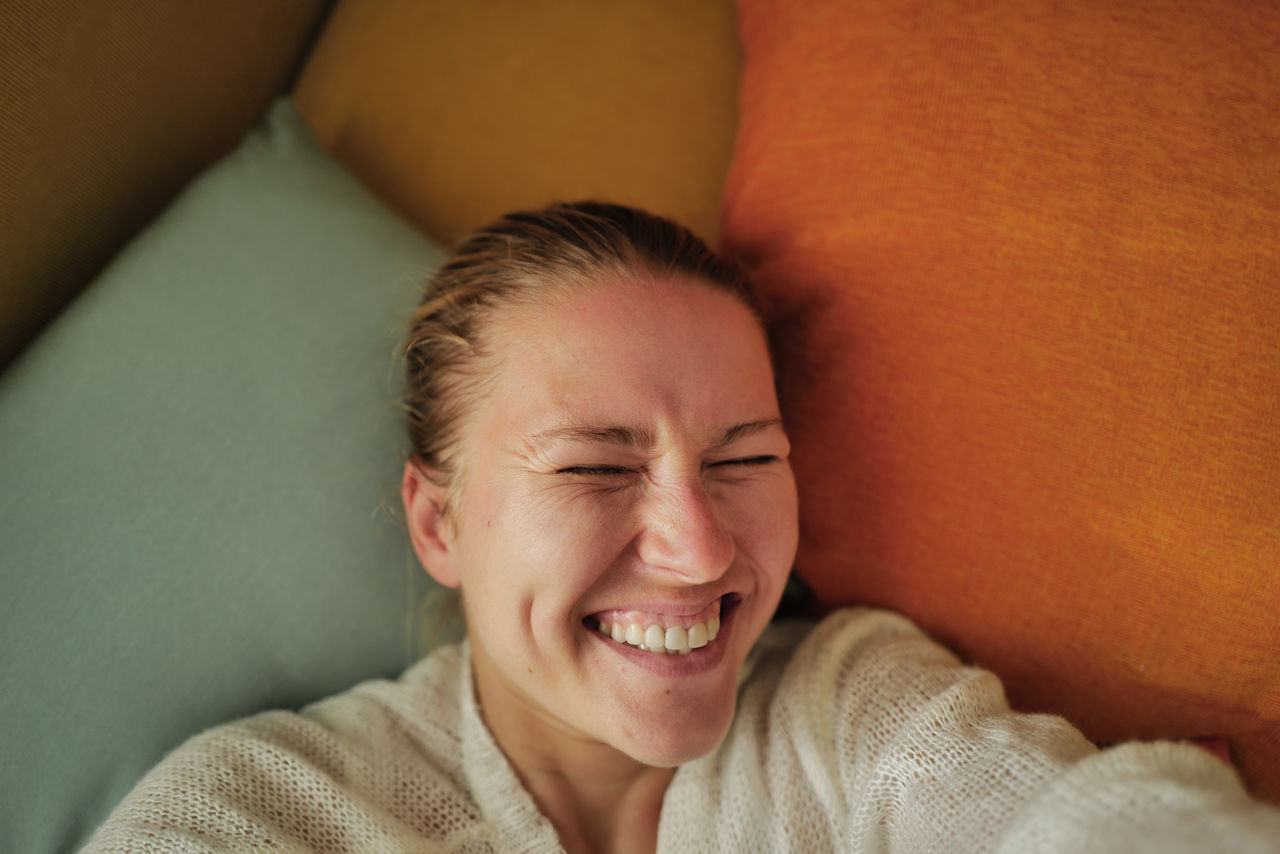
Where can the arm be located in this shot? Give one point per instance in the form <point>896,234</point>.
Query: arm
<point>925,754</point>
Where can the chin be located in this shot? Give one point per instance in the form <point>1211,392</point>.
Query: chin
<point>682,740</point>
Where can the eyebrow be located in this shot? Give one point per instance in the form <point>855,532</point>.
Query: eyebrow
<point>739,431</point>
<point>627,437</point>
<point>638,438</point>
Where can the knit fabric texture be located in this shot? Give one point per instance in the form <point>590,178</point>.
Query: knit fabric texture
<point>860,735</point>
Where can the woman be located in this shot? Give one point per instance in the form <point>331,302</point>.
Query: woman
<point>599,466</point>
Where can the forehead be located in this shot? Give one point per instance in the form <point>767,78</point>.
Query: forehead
<point>627,353</point>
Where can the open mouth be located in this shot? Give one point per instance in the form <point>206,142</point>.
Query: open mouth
<point>662,635</point>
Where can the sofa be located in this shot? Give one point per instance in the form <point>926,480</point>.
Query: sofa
<point>1018,262</point>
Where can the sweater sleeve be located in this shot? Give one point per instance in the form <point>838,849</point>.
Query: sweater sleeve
<point>1136,798</point>
<point>909,750</point>
<point>377,768</point>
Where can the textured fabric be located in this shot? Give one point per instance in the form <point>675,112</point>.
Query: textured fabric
<point>1023,257</point>
<point>194,459</point>
<point>864,737</point>
<point>461,112</point>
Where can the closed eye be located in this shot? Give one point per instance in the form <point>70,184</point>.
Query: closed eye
<point>594,471</point>
<point>615,471</point>
<point>762,460</point>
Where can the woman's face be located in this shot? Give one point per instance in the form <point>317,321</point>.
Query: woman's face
<point>626,466</point>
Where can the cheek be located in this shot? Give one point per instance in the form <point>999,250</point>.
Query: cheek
<point>549,542</point>
<point>768,526</point>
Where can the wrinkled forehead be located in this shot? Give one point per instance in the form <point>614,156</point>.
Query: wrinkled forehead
<point>617,354</point>
<point>633,297</point>
<point>625,318</point>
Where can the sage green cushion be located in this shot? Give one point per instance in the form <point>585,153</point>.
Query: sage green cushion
<point>200,467</point>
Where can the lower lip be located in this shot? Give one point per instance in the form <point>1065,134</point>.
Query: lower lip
<point>674,664</point>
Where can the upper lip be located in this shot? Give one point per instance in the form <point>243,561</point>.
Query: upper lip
<point>673,608</point>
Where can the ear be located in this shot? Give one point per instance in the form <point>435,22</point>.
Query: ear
<point>430,532</point>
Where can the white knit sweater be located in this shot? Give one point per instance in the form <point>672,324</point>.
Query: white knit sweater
<point>861,736</point>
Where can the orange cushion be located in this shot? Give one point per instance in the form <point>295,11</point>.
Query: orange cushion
<point>458,112</point>
<point>1025,264</point>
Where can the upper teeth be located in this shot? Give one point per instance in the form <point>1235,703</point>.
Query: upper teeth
<point>654,638</point>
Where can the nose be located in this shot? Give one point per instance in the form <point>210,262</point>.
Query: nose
<point>684,534</point>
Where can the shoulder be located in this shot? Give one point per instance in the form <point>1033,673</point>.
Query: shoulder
<point>865,657</point>
<point>886,739</point>
<point>905,747</point>
<point>848,634</point>
<point>356,767</point>
<point>422,710</point>
<point>869,685</point>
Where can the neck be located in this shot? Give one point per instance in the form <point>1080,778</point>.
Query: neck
<point>595,805</point>
<point>598,798</point>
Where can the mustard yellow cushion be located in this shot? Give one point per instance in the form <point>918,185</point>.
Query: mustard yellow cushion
<point>459,112</point>
<point>1025,265</point>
